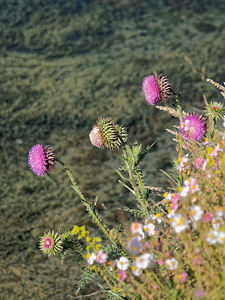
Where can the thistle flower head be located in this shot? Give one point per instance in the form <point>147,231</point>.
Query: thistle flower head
<point>50,243</point>
<point>156,88</point>
<point>215,110</point>
<point>193,126</point>
<point>107,134</point>
<point>41,159</point>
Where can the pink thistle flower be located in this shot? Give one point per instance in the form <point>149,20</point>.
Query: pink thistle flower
<point>122,275</point>
<point>41,159</point>
<point>50,243</point>
<point>101,257</point>
<point>156,88</point>
<point>193,127</point>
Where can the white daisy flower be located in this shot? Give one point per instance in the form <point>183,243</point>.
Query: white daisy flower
<point>196,213</point>
<point>212,237</point>
<point>122,263</point>
<point>185,191</point>
<point>135,270</point>
<point>171,263</point>
<point>179,224</point>
<point>171,215</point>
<point>221,212</point>
<point>149,229</point>
<point>91,258</point>
<point>221,237</point>
<point>154,218</point>
<point>144,261</point>
<point>217,223</point>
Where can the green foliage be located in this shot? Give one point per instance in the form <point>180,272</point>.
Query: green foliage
<point>132,157</point>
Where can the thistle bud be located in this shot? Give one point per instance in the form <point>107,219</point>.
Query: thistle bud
<point>50,243</point>
<point>106,134</point>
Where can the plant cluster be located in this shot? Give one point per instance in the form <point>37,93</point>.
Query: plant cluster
<point>175,247</point>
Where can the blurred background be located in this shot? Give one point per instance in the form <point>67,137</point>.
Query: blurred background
<point>63,64</point>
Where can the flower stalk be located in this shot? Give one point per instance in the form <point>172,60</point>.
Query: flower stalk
<point>86,203</point>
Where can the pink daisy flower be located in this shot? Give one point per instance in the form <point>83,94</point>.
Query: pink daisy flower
<point>122,275</point>
<point>193,127</point>
<point>101,257</point>
<point>208,216</point>
<point>156,88</point>
<point>199,162</point>
<point>183,277</point>
<point>136,228</point>
<point>41,159</point>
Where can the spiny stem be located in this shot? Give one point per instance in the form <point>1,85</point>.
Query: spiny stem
<point>85,202</point>
<point>132,181</point>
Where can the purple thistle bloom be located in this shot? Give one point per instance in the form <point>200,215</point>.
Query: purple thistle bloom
<point>156,88</point>
<point>41,159</point>
<point>193,127</point>
<point>151,90</point>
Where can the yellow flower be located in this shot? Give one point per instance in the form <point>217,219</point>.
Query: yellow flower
<point>98,239</point>
<point>88,239</point>
<point>82,235</point>
<point>88,248</point>
<point>98,247</point>
<point>82,228</point>
<point>76,229</point>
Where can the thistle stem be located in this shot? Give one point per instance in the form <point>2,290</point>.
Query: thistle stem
<point>177,98</point>
<point>133,183</point>
<point>85,202</point>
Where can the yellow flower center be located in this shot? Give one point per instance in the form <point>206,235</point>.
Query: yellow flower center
<point>181,222</point>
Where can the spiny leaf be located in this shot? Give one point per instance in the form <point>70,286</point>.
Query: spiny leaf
<point>134,212</point>
<point>120,174</point>
<point>87,276</point>
<point>143,153</point>
<point>126,186</point>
